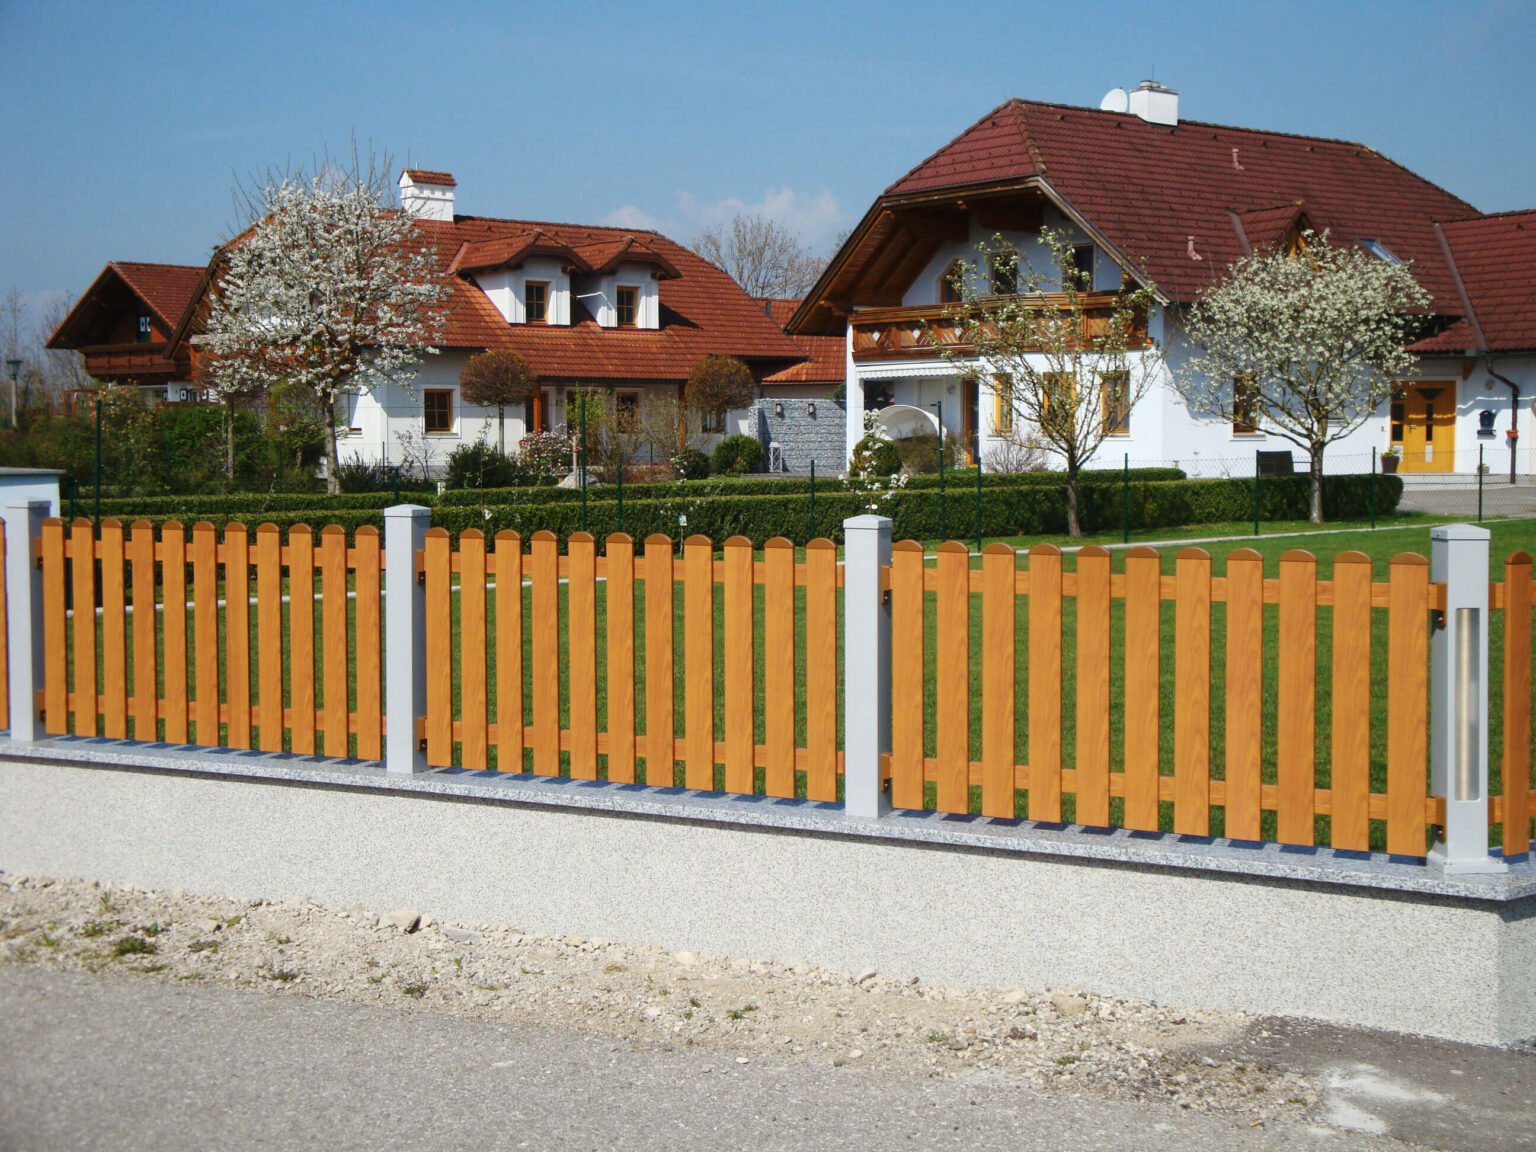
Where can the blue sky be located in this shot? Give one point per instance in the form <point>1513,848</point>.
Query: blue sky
<point>126,125</point>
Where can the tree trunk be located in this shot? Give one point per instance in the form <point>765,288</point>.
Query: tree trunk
<point>332,463</point>
<point>501,429</point>
<point>1074,529</point>
<point>1315,470</point>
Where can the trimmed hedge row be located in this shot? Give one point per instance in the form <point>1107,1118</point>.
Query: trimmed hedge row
<point>1024,510</point>
<point>767,486</point>
<point>236,504</point>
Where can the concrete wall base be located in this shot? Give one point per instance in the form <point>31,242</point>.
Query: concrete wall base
<point>1409,957</point>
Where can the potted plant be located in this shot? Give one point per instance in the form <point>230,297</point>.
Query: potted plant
<point>1389,460</point>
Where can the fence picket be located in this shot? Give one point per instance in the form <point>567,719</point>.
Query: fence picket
<point>619,593</point>
<point>1143,616</point>
<point>1245,695</point>
<point>660,689</point>
<point>473,708</point>
<point>1516,773</point>
<point>739,651</point>
<point>437,572</point>
<point>205,633</point>
<point>333,609</point>
<point>779,666</point>
<point>1350,776</point>
<point>1092,672</point>
<point>1295,737</point>
<point>269,637</point>
<point>698,663</point>
<point>998,659</point>
<point>581,634</point>
<point>509,652</point>
<point>821,670</point>
<point>237,634</point>
<point>55,630</point>
<point>368,551</point>
<point>146,663</point>
<point>907,674</point>
<point>173,629</point>
<point>952,719</point>
<point>544,568</point>
<point>1045,674</point>
<point>301,640</point>
<point>114,632</point>
<point>1192,693</point>
<point>1407,705</point>
<point>82,545</point>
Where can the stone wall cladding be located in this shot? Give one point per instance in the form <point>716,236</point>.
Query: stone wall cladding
<point>803,437</point>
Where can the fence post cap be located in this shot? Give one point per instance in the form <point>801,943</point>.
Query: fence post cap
<point>867,522</point>
<point>1459,532</point>
<point>407,510</point>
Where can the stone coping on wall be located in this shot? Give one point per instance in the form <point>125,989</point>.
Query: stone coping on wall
<point>1324,866</point>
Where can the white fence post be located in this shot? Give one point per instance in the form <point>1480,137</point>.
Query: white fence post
<point>24,613</point>
<point>405,650</point>
<point>1458,699</point>
<point>866,664</point>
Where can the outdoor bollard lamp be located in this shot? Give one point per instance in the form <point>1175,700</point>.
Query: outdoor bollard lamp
<point>1458,671</point>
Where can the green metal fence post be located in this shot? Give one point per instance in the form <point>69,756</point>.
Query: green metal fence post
<point>1480,483</point>
<point>1255,493</point>
<point>812,536</point>
<point>1125,500</point>
<point>1373,487</point>
<point>621,495</point>
<point>583,463</point>
<point>978,504</point>
<point>98,465</point>
<point>938,406</point>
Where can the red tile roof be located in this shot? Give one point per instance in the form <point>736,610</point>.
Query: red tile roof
<point>167,290</point>
<point>1496,258</point>
<point>703,311</point>
<point>426,176</point>
<point>826,356</point>
<point>1148,188</point>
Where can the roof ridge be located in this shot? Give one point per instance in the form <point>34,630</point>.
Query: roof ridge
<point>539,225</point>
<point>1491,216</point>
<point>1020,109</point>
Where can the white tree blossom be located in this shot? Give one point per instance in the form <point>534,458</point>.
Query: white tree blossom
<point>1303,344</point>
<point>328,291</point>
<point>1068,365</point>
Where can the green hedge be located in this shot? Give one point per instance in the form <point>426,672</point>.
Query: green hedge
<point>235,505</point>
<point>772,486</point>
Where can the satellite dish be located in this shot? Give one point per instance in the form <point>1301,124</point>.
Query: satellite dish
<point>1116,100</point>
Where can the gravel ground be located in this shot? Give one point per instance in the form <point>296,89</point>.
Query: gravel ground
<point>1054,1041</point>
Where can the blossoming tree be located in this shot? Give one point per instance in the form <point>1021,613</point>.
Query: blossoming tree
<point>1067,365</point>
<point>1304,344</point>
<point>329,292</point>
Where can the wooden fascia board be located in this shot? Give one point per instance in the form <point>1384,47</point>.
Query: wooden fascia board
<point>87,298</point>
<point>815,297</point>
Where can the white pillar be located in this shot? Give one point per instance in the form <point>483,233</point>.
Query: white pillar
<point>1458,699</point>
<point>853,392</point>
<point>24,613</point>
<point>405,651</point>
<point>866,665</point>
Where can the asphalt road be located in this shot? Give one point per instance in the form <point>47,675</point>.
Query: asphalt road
<point>123,1062</point>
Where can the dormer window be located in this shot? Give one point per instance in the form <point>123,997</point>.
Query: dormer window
<point>627,305</point>
<point>146,331</point>
<point>1379,250</point>
<point>536,301</point>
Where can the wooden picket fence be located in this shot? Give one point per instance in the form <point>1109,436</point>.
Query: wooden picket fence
<point>1129,606</point>
<point>200,639</point>
<point>546,718</point>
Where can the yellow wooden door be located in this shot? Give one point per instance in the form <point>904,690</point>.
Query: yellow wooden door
<point>1424,426</point>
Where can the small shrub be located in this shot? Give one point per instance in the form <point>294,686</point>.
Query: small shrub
<point>920,454</point>
<point>479,465</point>
<point>874,456</point>
<point>133,946</point>
<point>691,464</point>
<point>736,456</point>
<point>544,454</point>
<point>365,476</point>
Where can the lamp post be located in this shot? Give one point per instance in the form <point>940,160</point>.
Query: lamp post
<point>13,371</point>
<point>938,407</point>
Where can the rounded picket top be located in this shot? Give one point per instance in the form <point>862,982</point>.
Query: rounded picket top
<point>658,540</point>
<point>1351,558</point>
<point>267,529</point>
<point>619,539</point>
<point>1193,553</point>
<point>1407,560</point>
<point>907,546</point>
<point>997,548</point>
<point>952,546</point>
<point>204,526</point>
<point>300,530</point>
<point>1298,556</point>
<point>437,533</point>
<point>333,530</point>
<point>1142,552</point>
<point>737,542</point>
<point>1091,552</point>
<point>1044,549</point>
<point>366,530</point>
<point>508,537</point>
<point>778,542</point>
<point>1245,555</point>
<point>1518,560</point>
<point>140,524</point>
<point>822,544</point>
<point>544,535</point>
<point>471,534</point>
<point>699,541</point>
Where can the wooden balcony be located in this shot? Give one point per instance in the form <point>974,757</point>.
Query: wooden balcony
<point>926,331</point>
<point>111,361</point>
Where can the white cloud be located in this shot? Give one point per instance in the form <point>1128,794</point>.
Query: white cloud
<point>816,217</point>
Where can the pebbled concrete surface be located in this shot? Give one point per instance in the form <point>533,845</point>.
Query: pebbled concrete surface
<point>117,1062</point>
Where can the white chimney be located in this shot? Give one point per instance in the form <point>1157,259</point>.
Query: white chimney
<point>427,195</point>
<point>1155,104</point>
